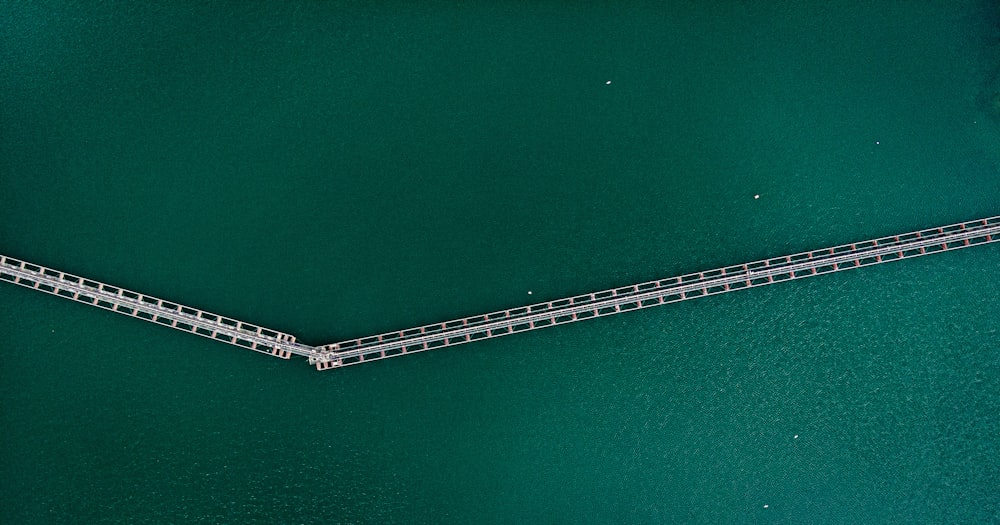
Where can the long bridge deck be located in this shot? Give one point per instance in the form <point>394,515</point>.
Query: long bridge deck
<point>656,293</point>
<point>503,322</point>
<point>149,308</point>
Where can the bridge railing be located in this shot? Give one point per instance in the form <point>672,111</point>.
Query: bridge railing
<point>149,308</point>
<point>662,291</point>
<point>502,322</point>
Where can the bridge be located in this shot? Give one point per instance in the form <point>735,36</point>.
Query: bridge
<point>502,322</point>
<point>149,308</point>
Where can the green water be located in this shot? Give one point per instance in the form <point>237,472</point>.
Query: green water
<point>340,169</point>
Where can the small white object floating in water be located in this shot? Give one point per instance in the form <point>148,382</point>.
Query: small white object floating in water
<point>756,196</point>
<point>608,83</point>
<point>529,292</point>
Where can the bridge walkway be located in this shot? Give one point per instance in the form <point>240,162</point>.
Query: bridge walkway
<point>149,308</point>
<point>503,322</point>
<point>655,293</point>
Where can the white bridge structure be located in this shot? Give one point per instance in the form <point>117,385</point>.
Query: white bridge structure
<point>502,322</point>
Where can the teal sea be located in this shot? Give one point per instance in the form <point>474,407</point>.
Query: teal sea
<point>339,169</point>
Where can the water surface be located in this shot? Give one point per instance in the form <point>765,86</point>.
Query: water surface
<point>337,170</point>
